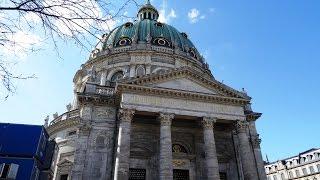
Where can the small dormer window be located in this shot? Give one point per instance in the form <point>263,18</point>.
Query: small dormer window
<point>161,42</point>
<point>193,53</point>
<point>128,24</point>
<point>184,35</point>
<point>159,24</point>
<point>124,41</point>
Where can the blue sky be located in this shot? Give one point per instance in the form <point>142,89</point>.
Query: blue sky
<point>270,48</point>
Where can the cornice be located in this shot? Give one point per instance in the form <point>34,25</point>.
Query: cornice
<point>252,116</point>
<point>97,99</point>
<point>61,125</point>
<point>179,94</point>
<point>188,72</point>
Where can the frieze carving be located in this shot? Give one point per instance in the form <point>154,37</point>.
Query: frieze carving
<point>256,141</point>
<point>241,126</point>
<point>85,113</point>
<point>85,128</point>
<point>166,119</point>
<point>208,122</point>
<point>126,115</point>
<point>178,163</point>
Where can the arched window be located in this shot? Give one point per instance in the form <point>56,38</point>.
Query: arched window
<point>140,71</point>
<point>149,15</point>
<point>116,76</point>
<point>290,174</point>
<point>100,141</point>
<point>177,148</point>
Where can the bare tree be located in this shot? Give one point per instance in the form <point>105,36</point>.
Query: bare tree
<point>81,21</point>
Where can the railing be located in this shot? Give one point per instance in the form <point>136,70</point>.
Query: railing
<point>65,116</point>
<point>105,90</point>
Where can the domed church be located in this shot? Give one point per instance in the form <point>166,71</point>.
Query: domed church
<point>146,106</point>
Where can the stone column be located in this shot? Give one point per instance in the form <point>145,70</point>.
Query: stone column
<point>122,163</point>
<point>255,140</point>
<point>165,157</point>
<point>247,158</point>
<point>211,160</point>
<point>103,78</point>
<point>79,166</point>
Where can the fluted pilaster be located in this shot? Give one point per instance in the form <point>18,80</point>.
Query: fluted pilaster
<point>123,149</point>
<point>247,158</point>
<point>212,165</point>
<point>165,156</point>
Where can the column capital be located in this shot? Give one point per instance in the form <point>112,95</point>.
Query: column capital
<point>126,115</point>
<point>256,141</point>
<point>208,122</point>
<point>241,126</point>
<point>166,119</point>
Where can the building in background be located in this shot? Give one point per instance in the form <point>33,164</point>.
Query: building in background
<point>25,152</point>
<point>304,166</point>
<point>147,106</point>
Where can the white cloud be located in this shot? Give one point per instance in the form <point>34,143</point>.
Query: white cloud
<point>32,17</point>
<point>194,15</point>
<point>20,43</point>
<point>164,15</point>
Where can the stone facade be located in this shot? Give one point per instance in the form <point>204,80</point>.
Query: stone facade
<point>149,108</point>
<point>305,166</point>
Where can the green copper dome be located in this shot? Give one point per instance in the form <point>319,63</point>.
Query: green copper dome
<point>148,30</point>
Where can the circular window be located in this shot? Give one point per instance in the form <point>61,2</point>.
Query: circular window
<point>128,24</point>
<point>124,42</point>
<point>161,42</point>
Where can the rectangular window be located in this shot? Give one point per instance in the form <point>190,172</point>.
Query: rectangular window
<point>290,174</point>
<point>12,174</point>
<point>297,173</point>
<point>5,171</point>
<point>137,174</point>
<point>282,176</point>
<point>311,169</point>
<point>223,175</point>
<point>64,177</point>
<point>304,171</point>
<point>318,167</point>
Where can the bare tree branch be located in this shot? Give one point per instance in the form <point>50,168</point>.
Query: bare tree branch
<point>77,20</point>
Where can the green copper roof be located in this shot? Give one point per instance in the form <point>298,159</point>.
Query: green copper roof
<point>146,27</point>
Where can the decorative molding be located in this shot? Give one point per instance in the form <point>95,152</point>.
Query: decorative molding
<point>241,126</point>
<point>166,119</point>
<point>126,115</point>
<point>178,162</point>
<point>84,129</point>
<point>188,72</point>
<point>256,141</point>
<point>252,116</point>
<point>208,122</point>
<point>61,125</point>
<point>162,92</point>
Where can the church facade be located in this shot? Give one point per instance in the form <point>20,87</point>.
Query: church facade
<point>147,107</point>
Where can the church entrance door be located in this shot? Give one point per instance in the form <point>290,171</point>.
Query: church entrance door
<point>180,174</point>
